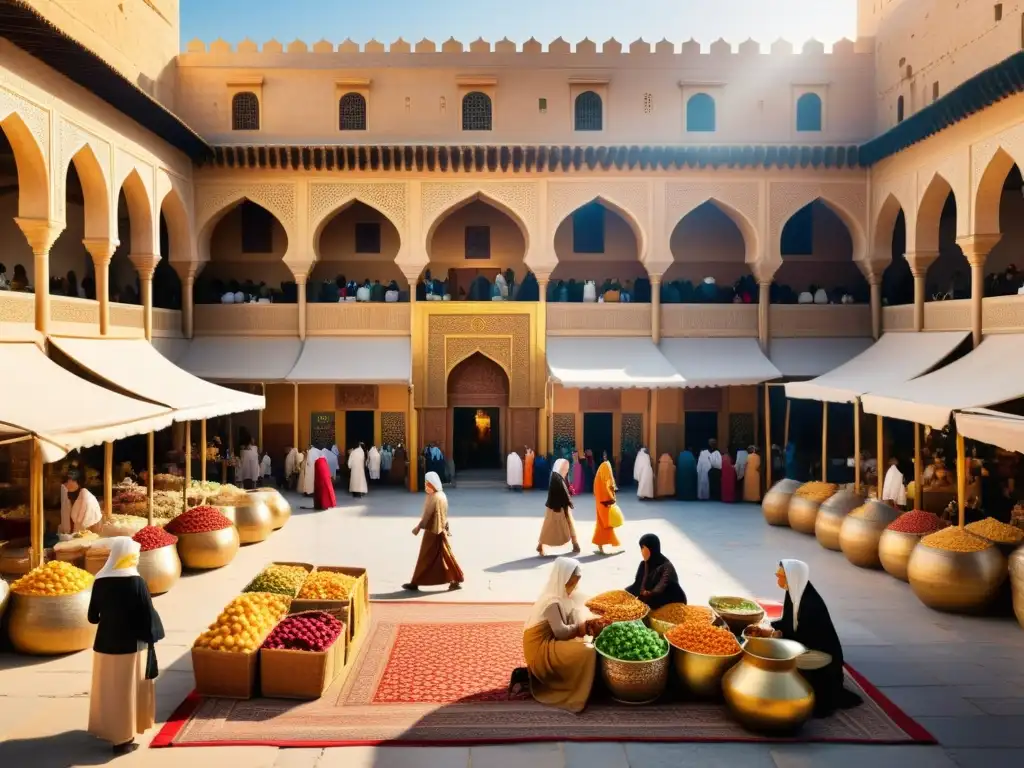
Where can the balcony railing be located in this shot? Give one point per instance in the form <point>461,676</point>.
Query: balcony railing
<point>709,320</point>
<point>358,319</point>
<point>599,319</point>
<point>820,320</point>
<point>246,320</point>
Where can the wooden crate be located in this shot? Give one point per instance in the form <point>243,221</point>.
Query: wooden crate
<point>301,674</point>
<point>224,674</point>
<point>308,566</point>
<point>358,600</point>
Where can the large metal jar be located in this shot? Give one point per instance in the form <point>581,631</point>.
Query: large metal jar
<point>831,515</point>
<point>635,682</point>
<point>700,673</point>
<point>894,550</point>
<point>859,536</point>
<point>161,568</point>
<point>253,521</point>
<point>280,509</point>
<point>213,549</point>
<point>803,513</point>
<point>1016,581</point>
<point>51,625</point>
<point>957,582</point>
<point>775,505</point>
<point>765,692</point>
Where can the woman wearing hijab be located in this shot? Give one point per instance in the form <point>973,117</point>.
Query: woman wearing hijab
<point>728,479</point>
<point>122,700</point>
<point>577,475</point>
<point>805,618</point>
<point>686,476</point>
<point>436,564</point>
<point>79,509</point>
<point>559,527</point>
<point>666,485</point>
<point>656,582</point>
<point>589,471</point>
<point>323,486</point>
<point>561,665</point>
<point>604,499</point>
<point>752,476</point>
<point>528,469</point>
<point>643,474</point>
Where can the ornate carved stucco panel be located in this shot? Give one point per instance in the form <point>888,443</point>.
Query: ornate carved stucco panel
<point>390,198</point>
<point>955,168</point>
<point>124,164</point>
<point>1003,313</point>
<point>505,339</point>
<point>520,197</point>
<point>632,197</point>
<point>36,118</point>
<point>276,197</point>
<point>72,138</point>
<point>683,196</point>
<point>849,198</point>
<point>1010,141</point>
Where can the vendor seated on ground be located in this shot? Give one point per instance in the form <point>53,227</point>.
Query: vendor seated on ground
<point>657,582</point>
<point>806,620</point>
<point>561,665</point>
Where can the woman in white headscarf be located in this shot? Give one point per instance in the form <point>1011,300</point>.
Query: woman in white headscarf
<point>309,471</point>
<point>643,473</point>
<point>122,701</point>
<point>561,665</point>
<point>514,472</point>
<point>79,508</point>
<point>436,564</point>
<point>805,618</point>
<point>559,527</point>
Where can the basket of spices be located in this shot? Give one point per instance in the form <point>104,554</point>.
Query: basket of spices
<point>901,536</point>
<point>954,570</point>
<point>618,605</point>
<point>738,612</point>
<point>667,616</point>
<point>1006,537</point>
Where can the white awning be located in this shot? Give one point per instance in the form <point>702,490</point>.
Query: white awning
<point>719,362</point>
<point>65,412</point>
<point>171,348</point>
<point>893,360</point>
<point>990,374</point>
<point>610,362</point>
<point>240,358</point>
<point>354,360</point>
<point>134,366</point>
<point>806,357</point>
<point>1000,429</point>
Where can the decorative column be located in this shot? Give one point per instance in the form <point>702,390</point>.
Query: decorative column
<point>656,309</point>
<point>41,235</point>
<point>145,265</point>
<point>919,262</point>
<point>295,417</point>
<point>412,449</point>
<point>300,282</point>
<point>764,304</point>
<point>102,250</point>
<point>187,271</point>
<point>875,283</point>
<point>976,249</point>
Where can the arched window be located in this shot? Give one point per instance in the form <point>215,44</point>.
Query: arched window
<point>700,113</point>
<point>899,110</point>
<point>476,111</point>
<point>245,112</point>
<point>808,112</point>
<point>588,112</point>
<point>352,112</point>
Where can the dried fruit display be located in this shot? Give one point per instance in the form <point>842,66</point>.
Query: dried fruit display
<point>816,491</point>
<point>153,537</point>
<point>993,530</point>
<point>917,521</point>
<point>228,496</point>
<point>245,623</point>
<point>680,613</point>
<point>618,605</point>
<point>314,631</point>
<point>703,638</point>
<point>955,539</point>
<point>53,579</point>
<point>279,579</point>
<point>327,585</point>
<point>198,520</point>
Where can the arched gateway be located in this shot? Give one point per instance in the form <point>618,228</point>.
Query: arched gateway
<point>478,390</point>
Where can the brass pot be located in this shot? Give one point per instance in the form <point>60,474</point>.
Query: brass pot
<point>894,549</point>
<point>253,521</point>
<point>765,691</point>
<point>831,515</point>
<point>775,505</point>
<point>1016,581</point>
<point>958,582</point>
<point>700,673</point>
<point>280,509</point>
<point>802,514</point>
<point>161,568</point>
<point>635,682</point>
<point>736,622</point>
<point>213,549</point>
<point>859,536</point>
<point>51,625</point>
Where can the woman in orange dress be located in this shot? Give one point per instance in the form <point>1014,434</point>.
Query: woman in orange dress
<point>528,469</point>
<point>604,497</point>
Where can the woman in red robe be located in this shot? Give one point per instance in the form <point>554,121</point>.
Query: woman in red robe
<point>728,479</point>
<point>323,487</point>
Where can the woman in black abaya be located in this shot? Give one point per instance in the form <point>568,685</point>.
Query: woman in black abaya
<point>657,582</point>
<point>806,620</point>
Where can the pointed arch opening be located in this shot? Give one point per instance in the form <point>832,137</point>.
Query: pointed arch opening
<point>897,279</point>
<point>599,248</point>
<point>710,246</point>
<point>245,247</point>
<point>478,396</point>
<point>948,276</point>
<point>999,208</point>
<point>817,247</point>
<point>355,249</point>
<point>23,194</point>
<point>166,282</point>
<point>477,251</point>
<point>86,216</point>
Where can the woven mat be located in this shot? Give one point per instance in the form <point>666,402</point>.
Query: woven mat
<point>436,674</point>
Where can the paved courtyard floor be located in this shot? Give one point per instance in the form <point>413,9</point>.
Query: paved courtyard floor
<point>962,678</point>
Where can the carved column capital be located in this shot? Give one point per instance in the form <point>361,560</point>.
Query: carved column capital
<point>187,270</point>
<point>101,249</point>
<point>976,248</point>
<point>40,233</point>
<point>764,271</point>
<point>145,264</point>
<point>300,270</point>
<point>919,261</point>
<point>873,269</point>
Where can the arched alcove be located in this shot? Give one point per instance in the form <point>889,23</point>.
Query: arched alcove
<point>1006,259</point>
<point>478,396</point>
<point>71,267</point>
<point>707,244</point>
<point>949,276</point>
<point>897,280</point>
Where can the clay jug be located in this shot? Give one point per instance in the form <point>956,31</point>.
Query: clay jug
<point>765,691</point>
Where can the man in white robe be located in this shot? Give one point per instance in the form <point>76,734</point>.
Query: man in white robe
<point>291,466</point>
<point>741,463</point>
<point>373,463</point>
<point>333,463</point>
<point>893,488</point>
<point>709,461</point>
<point>307,477</point>
<point>643,473</point>
<point>357,472</point>
<point>514,472</point>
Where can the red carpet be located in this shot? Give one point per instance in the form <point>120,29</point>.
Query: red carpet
<point>435,674</point>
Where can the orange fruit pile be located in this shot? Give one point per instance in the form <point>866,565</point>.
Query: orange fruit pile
<point>245,623</point>
<point>703,638</point>
<point>53,579</point>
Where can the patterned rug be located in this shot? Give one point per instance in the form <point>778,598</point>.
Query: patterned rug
<point>435,674</point>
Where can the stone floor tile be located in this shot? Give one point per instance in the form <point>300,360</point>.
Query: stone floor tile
<point>988,758</point>
<point>954,732</point>
<point>921,701</point>
<point>349,757</point>
<point>642,755</point>
<point>297,758</point>
<point>518,756</point>
<point>1000,706</point>
<point>420,757</point>
<point>595,755</point>
<point>858,756</point>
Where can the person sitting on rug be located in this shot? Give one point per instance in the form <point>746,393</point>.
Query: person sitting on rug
<point>805,618</point>
<point>560,664</point>
<point>436,564</point>
<point>657,582</point>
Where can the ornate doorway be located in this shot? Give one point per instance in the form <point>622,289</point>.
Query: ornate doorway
<point>478,391</point>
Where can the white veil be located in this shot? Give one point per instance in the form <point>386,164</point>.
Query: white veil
<point>554,592</point>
